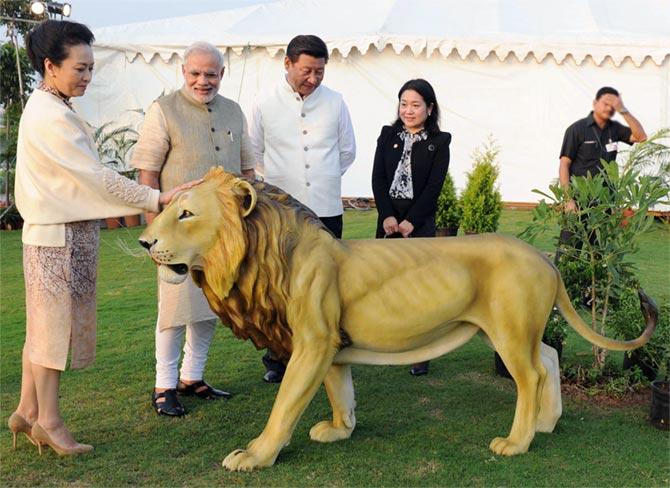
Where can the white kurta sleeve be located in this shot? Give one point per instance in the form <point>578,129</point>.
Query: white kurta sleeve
<point>154,143</point>
<point>346,139</point>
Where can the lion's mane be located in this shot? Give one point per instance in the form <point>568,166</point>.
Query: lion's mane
<point>248,269</point>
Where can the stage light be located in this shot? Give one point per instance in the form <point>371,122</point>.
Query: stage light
<point>38,8</point>
<point>51,8</point>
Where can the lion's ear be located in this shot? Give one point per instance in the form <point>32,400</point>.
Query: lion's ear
<point>249,194</point>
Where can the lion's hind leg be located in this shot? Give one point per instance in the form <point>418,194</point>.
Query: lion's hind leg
<point>524,364</point>
<point>340,390</point>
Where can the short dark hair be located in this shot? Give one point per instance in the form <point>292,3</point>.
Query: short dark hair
<point>606,90</point>
<point>306,44</point>
<point>52,39</point>
<point>423,88</point>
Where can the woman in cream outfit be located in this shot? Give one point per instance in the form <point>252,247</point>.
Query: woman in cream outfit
<point>62,190</point>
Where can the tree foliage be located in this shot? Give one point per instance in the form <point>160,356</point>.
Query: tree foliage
<point>20,10</point>
<point>448,214</point>
<point>481,202</point>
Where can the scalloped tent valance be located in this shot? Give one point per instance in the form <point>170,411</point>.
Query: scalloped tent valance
<point>580,29</point>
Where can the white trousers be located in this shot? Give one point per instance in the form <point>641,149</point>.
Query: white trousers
<point>168,349</point>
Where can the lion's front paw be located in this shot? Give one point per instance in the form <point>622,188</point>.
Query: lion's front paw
<point>325,432</point>
<point>244,460</point>
<point>504,447</point>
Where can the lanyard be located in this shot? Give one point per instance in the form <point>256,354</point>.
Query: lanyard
<point>600,146</point>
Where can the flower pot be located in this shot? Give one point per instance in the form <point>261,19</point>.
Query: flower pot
<point>131,220</point>
<point>636,358</point>
<point>113,222</point>
<point>660,404</point>
<point>501,369</point>
<point>446,232</point>
<point>625,215</point>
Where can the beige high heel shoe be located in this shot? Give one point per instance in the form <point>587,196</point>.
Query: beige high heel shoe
<point>41,436</point>
<point>17,424</point>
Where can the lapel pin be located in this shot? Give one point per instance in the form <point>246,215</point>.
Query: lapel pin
<point>395,146</point>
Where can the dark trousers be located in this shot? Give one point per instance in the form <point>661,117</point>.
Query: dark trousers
<point>334,225</point>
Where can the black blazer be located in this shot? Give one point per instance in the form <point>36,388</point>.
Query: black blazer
<point>430,161</point>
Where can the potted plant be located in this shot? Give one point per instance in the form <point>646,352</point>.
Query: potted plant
<point>114,145</point>
<point>448,216</point>
<point>481,203</point>
<point>596,265</point>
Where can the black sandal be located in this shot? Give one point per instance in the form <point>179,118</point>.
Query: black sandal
<point>170,406</point>
<point>201,390</point>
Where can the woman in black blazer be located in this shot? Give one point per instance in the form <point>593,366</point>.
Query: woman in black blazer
<point>411,162</point>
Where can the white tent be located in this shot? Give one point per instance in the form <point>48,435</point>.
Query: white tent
<point>520,70</point>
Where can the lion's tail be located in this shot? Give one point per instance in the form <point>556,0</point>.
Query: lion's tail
<point>647,305</point>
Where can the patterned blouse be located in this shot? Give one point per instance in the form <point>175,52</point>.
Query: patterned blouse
<point>401,188</point>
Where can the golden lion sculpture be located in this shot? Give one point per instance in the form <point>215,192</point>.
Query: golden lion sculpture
<point>276,276</point>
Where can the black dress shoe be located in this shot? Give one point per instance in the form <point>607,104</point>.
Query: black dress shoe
<point>201,390</point>
<point>272,376</point>
<point>170,406</point>
<point>419,369</point>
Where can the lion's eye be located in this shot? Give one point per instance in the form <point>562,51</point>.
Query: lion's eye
<point>185,214</point>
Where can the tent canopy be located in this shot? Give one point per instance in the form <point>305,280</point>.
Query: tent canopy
<point>580,28</point>
<point>519,70</point>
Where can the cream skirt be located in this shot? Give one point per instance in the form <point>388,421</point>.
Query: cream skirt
<point>61,298</point>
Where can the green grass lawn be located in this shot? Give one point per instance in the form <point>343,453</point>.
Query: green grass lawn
<point>427,431</point>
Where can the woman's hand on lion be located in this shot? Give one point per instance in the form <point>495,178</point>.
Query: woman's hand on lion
<point>167,196</point>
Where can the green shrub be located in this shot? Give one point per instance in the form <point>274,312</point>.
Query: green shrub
<point>612,214</point>
<point>626,323</point>
<point>448,207</point>
<point>481,203</point>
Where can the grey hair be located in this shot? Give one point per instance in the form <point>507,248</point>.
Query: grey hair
<point>204,47</point>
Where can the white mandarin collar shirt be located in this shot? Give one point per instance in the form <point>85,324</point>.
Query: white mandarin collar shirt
<point>304,145</point>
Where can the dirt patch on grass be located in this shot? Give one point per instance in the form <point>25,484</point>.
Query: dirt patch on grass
<point>604,400</point>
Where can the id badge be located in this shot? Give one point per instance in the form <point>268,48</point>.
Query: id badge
<point>611,147</point>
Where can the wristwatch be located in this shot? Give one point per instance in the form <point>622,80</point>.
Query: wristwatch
<point>623,110</point>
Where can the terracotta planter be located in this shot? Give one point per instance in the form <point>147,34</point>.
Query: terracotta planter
<point>446,232</point>
<point>113,222</point>
<point>131,220</point>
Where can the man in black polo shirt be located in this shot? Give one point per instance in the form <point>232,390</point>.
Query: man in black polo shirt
<point>594,137</point>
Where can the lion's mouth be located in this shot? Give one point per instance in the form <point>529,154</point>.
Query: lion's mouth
<point>180,269</point>
<point>173,273</point>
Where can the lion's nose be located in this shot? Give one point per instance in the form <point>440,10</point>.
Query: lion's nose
<point>146,244</point>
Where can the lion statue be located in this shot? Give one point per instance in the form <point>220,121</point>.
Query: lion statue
<point>276,276</point>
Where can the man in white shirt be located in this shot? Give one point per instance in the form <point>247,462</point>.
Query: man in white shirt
<point>304,142</point>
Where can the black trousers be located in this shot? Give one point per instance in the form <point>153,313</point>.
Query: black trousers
<point>334,224</point>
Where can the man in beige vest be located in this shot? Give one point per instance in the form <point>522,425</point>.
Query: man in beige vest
<point>185,134</point>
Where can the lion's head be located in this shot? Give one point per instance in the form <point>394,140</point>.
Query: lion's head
<point>236,239</point>
<point>180,238</point>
